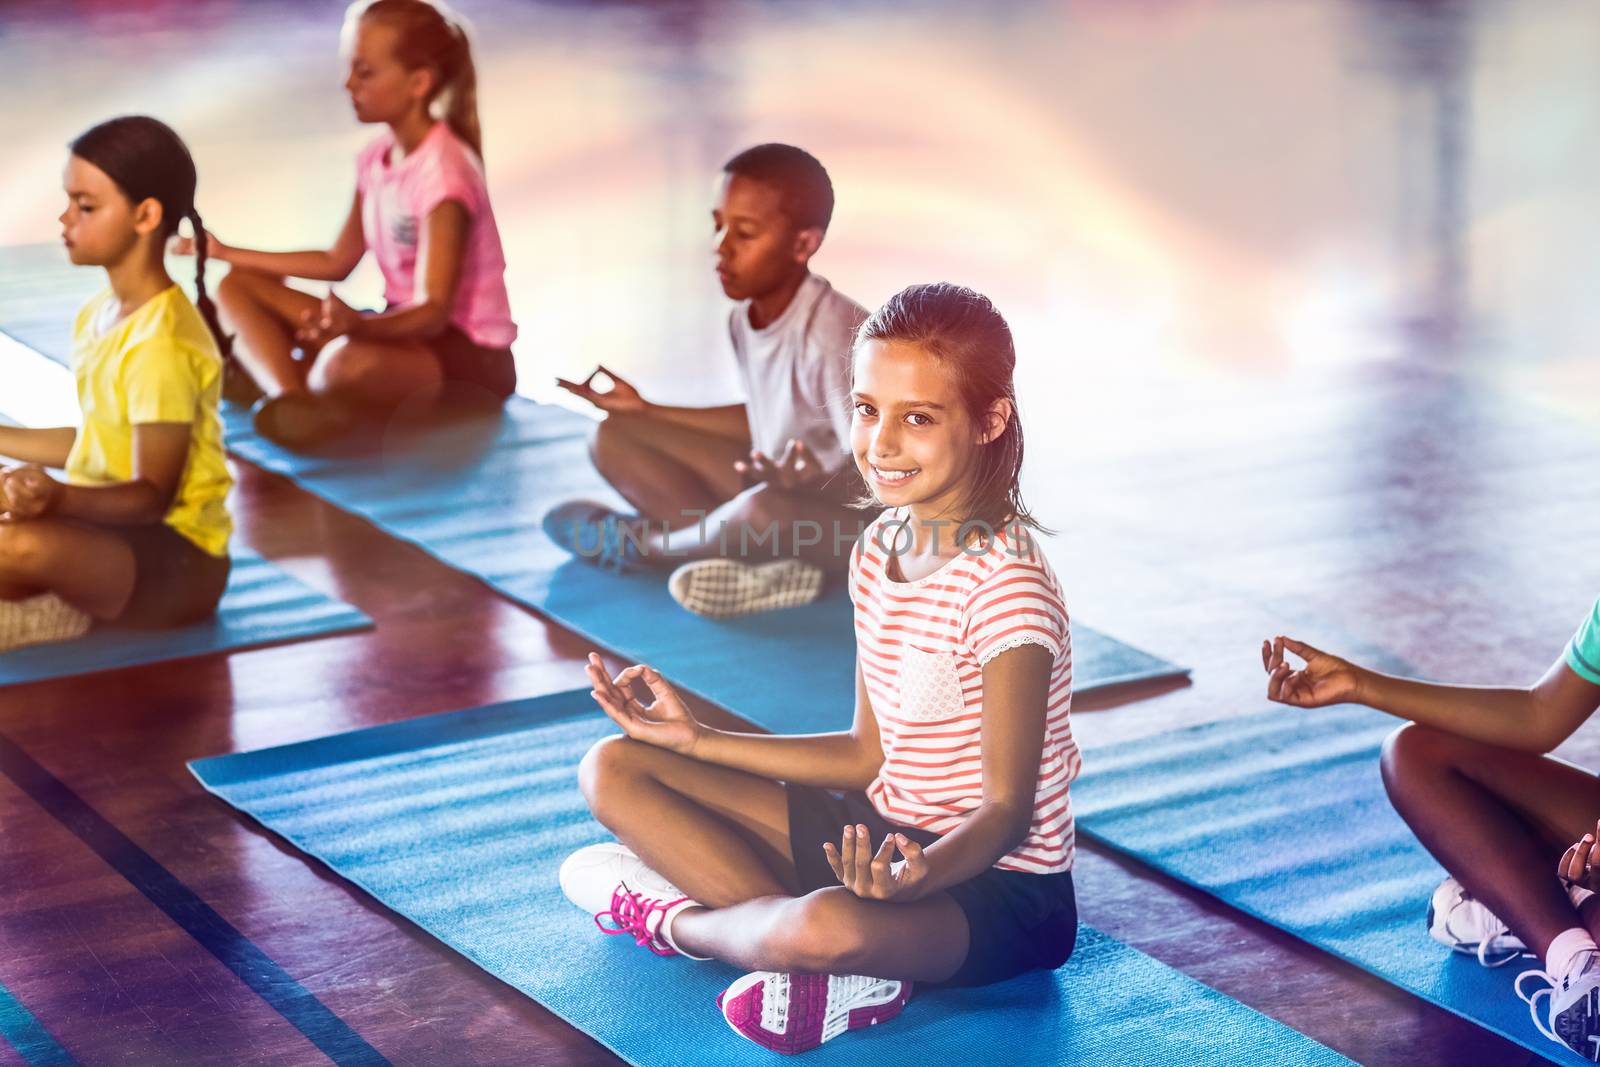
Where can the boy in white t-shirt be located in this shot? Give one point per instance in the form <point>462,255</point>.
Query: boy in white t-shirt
<point>760,495</point>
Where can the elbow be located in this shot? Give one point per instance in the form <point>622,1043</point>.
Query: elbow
<point>867,774</point>
<point>154,503</point>
<point>433,317</point>
<point>1015,821</point>
<point>867,766</point>
<point>1545,730</point>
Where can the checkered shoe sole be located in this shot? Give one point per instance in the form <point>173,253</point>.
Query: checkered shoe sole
<point>39,620</point>
<point>723,588</point>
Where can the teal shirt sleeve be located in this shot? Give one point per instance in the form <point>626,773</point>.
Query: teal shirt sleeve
<point>1583,651</point>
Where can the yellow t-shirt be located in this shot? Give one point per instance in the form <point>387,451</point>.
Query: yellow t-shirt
<point>160,364</point>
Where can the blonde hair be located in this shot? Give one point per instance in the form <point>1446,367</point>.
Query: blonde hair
<point>431,35</point>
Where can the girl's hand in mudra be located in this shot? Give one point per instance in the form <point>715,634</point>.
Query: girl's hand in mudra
<point>26,492</point>
<point>878,876</point>
<point>1578,865</point>
<point>666,722</point>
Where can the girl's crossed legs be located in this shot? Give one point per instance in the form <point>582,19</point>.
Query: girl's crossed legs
<point>722,836</point>
<point>1499,821</point>
<point>266,312</point>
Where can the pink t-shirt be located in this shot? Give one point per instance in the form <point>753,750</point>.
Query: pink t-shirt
<point>397,195</point>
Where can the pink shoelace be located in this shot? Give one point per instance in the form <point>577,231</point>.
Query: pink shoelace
<point>630,914</point>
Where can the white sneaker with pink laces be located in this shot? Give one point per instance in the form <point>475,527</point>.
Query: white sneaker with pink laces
<point>797,1012</point>
<point>610,882</point>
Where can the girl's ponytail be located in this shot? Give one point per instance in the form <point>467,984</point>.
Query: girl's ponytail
<point>461,112</point>
<point>203,302</point>
<point>430,35</point>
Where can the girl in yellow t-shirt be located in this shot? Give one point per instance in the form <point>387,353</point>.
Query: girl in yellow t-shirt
<point>137,532</point>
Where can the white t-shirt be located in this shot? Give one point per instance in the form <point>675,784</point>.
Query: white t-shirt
<point>796,372</point>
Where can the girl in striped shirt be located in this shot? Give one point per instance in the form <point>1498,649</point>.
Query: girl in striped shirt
<point>931,842</point>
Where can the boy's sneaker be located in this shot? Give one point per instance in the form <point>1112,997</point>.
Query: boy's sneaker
<point>613,884</point>
<point>797,1012</point>
<point>723,588</point>
<point>1574,1007</point>
<point>40,620</point>
<point>598,534</point>
<point>1457,919</point>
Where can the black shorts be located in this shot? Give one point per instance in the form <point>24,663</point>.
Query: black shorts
<point>465,362</point>
<point>1018,922</point>
<point>175,582</point>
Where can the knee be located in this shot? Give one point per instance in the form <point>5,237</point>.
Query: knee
<point>230,288</point>
<point>604,770</point>
<point>237,286</point>
<point>1412,752</point>
<point>21,549</point>
<point>342,367</point>
<point>820,933</point>
<point>761,506</point>
<point>614,440</point>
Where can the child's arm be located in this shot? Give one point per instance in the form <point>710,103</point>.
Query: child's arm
<point>729,421</point>
<point>333,265</point>
<point>1531,719</point>
<point>444,243</point>
<point>49,447</point>
<point>160,451</point>
<point>1016,689</point>
<point>848,760</point>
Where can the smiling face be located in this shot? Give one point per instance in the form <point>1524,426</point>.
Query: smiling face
<point>757,247</point>
<point>912,438</point>
<point>381,88</point>
<point>101,225</point>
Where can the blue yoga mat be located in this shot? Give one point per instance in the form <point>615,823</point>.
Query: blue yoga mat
<point>25,1034</point>
<point>473,494</point>
<point>460,821</point>
<point>263,605</point>
<point>1284,816</point>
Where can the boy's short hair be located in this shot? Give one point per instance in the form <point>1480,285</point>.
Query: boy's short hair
<point>804,192</point>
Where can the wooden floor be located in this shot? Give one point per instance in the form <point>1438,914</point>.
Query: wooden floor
<point>1304,350</point>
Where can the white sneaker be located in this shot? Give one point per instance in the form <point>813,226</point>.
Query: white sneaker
<point>1460,921</point>
<point>40,620</point>
<point>723,588</point>
<point>610,882</point>
<point>590,877</point>
<point>1574,1008</point>
<point>797,1012</point>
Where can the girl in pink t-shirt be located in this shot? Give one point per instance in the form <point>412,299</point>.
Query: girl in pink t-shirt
<point>422,208</point>
<point>931,842</point>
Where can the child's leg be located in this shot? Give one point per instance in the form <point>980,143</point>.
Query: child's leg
<point>720,835</point>
<point>1498,820</point>
<point>663,469</point>
<point>762,524</point>
<point>375,374</point>
<point>264,313</point>
<point>93,570</point>
<point>832,931</point>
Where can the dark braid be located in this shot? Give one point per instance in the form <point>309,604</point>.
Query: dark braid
<point>203,301</point>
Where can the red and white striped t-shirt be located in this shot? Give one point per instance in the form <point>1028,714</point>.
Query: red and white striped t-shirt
<point>922,646</point>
